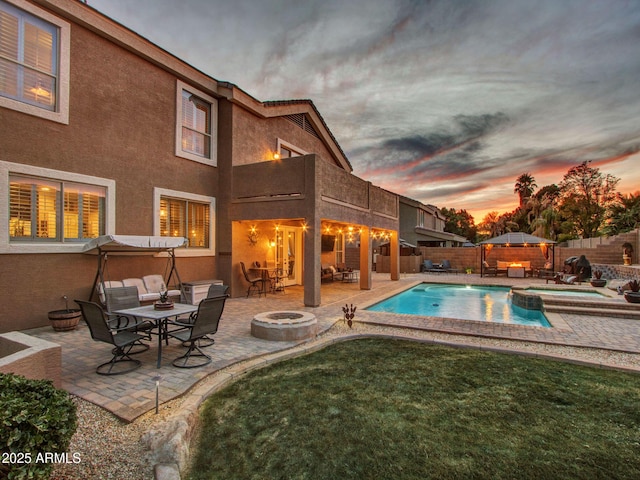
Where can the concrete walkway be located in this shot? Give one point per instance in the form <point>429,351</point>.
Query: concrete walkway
<point>130,395</point>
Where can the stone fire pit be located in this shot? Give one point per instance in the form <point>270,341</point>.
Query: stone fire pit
<point>284,326</point>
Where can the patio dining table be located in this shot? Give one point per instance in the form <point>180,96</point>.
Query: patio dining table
<point>160,318</point>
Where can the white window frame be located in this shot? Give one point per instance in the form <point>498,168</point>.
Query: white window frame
<point>213,147</point>
<point>7,168</point>
<point>280,144</point>
<point>194,197</point>
<point>61,112</point>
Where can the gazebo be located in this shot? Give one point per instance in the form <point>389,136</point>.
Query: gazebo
<point>517,240</point>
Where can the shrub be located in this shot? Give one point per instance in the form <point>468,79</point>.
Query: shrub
<point>35,419</point>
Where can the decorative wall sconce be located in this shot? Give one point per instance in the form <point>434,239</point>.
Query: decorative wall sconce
<point>276,156</point>
<point>252,236</point>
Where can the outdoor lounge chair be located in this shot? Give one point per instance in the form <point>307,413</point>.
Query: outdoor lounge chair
<point>204,322</point>
<point>256,283</point>
<point>428,266</point>
<point>446,266</point>
<point>123,341</point>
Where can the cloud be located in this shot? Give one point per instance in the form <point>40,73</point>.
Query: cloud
<point>445,101</point>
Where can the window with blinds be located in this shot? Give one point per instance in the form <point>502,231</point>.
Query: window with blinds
<point>46,210</point>
<point>185,218</point>
<point>196,125</point>
<point>28,57</point>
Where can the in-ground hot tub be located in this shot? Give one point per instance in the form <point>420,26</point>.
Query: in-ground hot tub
<point>284,326</point>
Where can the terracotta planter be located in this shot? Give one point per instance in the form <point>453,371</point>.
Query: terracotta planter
<point>632,297</point>
<point>598,282</point>
<point>626,259</point>
<point>65,320</point>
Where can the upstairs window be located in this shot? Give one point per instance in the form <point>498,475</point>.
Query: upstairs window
<point>54,211</point>
<point>196,125</point>
<point>287,150</point>
<point>196,121</point>
<point>33,61</point>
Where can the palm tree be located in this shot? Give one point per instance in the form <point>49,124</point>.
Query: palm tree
<point>525,185</point>
<point>624,214</point>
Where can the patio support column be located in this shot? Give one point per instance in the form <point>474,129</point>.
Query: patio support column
<point>311,275</point>
<point>365,259</point>
<point>394,256</point>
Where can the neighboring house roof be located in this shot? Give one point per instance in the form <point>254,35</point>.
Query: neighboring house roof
<point>439,235</point>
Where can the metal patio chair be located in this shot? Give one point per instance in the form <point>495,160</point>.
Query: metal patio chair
<point>204,322</point>
<point>256,283</point>
<point>123,341</point>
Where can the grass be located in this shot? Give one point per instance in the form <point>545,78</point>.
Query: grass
<point>391,409</point>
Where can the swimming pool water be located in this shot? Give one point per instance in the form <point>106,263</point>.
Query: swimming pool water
<point>464,302</point>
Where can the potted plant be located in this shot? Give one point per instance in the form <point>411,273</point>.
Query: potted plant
<point>633,295</point>
<point>596,280</point>
<point>65,320</point>
<point>469,270</point>
<point>627,252</point>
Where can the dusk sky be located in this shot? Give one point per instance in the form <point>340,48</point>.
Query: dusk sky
<point>444,101</point>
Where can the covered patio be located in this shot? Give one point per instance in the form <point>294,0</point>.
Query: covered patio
<point>282,223</point>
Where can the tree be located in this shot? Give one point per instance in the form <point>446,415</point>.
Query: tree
<point>460,222</point>
<point>524,187</point>
<point>624,214</point>
<point>586,193</point>
<point>490,224</point>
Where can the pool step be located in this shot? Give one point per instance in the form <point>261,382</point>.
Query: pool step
<point>605,308</point>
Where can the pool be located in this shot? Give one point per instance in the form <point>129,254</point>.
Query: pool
<point>463,302</point>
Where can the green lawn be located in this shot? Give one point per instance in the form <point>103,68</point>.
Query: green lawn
<point>391,409</point>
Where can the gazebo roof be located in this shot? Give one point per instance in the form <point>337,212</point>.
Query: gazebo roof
<point>516,239</point>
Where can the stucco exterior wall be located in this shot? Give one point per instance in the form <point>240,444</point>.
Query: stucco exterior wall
<point>259,142</point>
<point>121,127</point>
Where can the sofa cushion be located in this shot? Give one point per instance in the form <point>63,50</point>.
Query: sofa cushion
<point>138,283</point>
<point>154,283</point>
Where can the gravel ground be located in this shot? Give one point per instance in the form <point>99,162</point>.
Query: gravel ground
<point>111,449</point>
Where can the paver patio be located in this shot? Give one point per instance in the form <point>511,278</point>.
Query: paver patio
<point>130,395</point>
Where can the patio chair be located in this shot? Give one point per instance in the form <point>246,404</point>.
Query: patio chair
<point>123,341</point>
<point>204,322</point>
<point>217,291</point>
<point>446,266</point>
<point>214,291</point>
<point>277,280</point>
<point>256,283</point>
<point>489,270</point>
<point>428,266</point>
<point>119,298</point>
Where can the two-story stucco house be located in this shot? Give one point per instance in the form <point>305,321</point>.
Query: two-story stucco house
<point>104,133</point>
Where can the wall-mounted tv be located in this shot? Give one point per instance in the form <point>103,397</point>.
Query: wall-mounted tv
<point>327,242</point>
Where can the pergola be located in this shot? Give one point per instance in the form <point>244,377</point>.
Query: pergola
<point>520,240</point>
